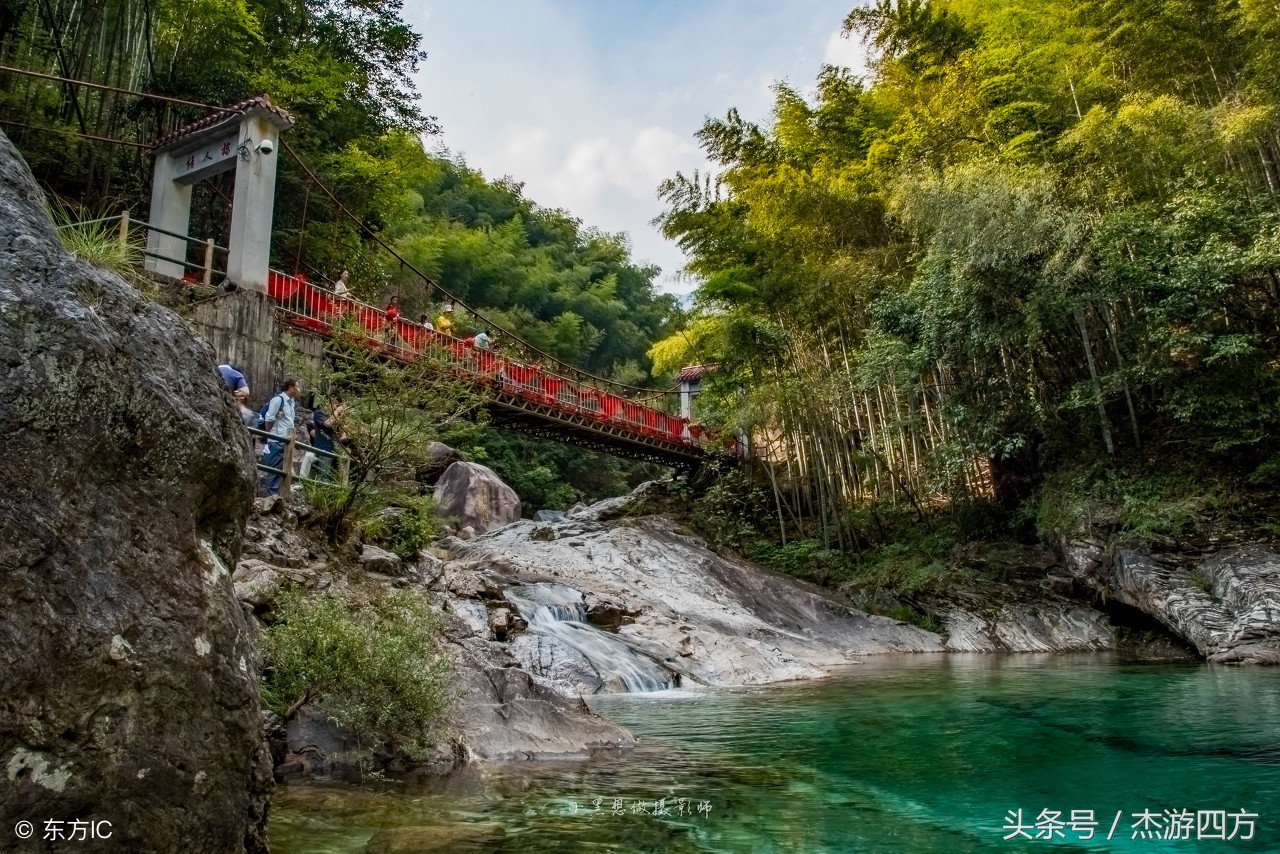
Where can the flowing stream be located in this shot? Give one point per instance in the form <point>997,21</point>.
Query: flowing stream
<point>559,612</point>
<point>900,754</point>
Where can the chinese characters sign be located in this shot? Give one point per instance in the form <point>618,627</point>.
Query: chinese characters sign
<point>1170,824</point>
<point>210,158</point>
<point>662,807</point>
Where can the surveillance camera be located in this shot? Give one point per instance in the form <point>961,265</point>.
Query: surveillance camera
<point>266,146</point>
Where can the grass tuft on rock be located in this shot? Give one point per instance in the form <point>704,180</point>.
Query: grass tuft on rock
<point>376,667</point>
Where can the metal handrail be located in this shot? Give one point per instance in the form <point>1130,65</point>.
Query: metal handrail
<point>165,231</point>
<point>320,311</point>
<point>85,222</point>
<point>320,452</point>
<point>126,216</point>
<point>291,445</point>
<point>148,253</point>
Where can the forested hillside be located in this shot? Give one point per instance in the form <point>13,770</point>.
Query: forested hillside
<point>343,70</point>
<point>1036,252</point>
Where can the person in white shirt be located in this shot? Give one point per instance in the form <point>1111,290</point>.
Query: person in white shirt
<point>340,287</point>
<point>281,417</point>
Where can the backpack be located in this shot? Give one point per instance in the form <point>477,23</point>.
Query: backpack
<point>262,413</point>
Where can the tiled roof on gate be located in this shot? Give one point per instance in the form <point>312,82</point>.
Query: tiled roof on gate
<point>693,373</point>
<point>222,114</point>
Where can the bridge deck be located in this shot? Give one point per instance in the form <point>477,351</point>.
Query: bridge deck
<point>526,398</point>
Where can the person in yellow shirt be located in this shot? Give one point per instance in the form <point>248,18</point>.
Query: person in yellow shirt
<point>444,323</point>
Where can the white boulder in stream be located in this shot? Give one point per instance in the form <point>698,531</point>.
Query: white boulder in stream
<point>681,612</point>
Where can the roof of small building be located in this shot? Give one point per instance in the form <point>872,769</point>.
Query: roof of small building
<point>221,115</point>
<point>693,373</point>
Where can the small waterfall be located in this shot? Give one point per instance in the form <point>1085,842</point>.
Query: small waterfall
<point>559,611</point>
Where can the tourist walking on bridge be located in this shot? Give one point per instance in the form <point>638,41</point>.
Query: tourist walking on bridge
<point>444,323</point>
<point>279,421</point>
<point>389,331</point>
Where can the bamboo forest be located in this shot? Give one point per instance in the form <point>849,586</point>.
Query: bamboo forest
<point>815,427</point>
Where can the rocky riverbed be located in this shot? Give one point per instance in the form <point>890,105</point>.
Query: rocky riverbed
<point>543,614</point>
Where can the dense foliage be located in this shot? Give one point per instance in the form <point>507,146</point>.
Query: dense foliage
<point>342,68</point>
<point>385,416</point>
<point>1042,232</point>
<point>570,291</point>
<point>377,667</point>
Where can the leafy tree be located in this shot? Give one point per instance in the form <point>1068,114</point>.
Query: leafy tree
<point>1040,232</point>
<point>387,414</point>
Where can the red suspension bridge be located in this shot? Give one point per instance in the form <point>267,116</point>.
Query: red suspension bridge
<point>578,409</point>
<point>557,402</point>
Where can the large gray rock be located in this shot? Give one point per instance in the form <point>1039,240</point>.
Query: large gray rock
<point>506,714</point>
<point>698,615</point>
<point>1043,626</point>
<point>374,559</point>
<point>128,680</point>
<point>550,657</point>
<point>476,497</point>
<point>1227,606</point>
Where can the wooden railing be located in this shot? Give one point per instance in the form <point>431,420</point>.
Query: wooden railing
<point>291,448</point>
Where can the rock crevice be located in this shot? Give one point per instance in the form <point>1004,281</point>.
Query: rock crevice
<point>1226,605</point>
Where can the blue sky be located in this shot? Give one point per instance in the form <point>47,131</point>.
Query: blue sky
<point>592,104</point>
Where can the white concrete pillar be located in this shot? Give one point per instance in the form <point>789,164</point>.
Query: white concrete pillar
<point>171,211</point>
<point>688,391</point>
<point>252,205</point>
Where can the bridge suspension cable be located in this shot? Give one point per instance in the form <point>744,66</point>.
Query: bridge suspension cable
<point>629,390</point>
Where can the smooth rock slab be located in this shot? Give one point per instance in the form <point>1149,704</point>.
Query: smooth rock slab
<point>714,620</point>
<point>505,714</point>
<point>1227,607</point>
<point>549,657</point>
<point>1028,627</point>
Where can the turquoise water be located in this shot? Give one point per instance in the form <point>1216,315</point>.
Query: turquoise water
<point>903,754</point>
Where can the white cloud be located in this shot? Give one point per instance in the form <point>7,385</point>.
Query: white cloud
<point>592,105</point>
<point>849,52</point>
<point>587,175</point>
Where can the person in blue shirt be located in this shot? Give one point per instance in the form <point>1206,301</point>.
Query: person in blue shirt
<point>233,378</point>
<point>281,417</point>
<point>324,435</point>
<point>482,339</point>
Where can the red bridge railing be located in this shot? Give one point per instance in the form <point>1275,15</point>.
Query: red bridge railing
<point>308,307</point>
